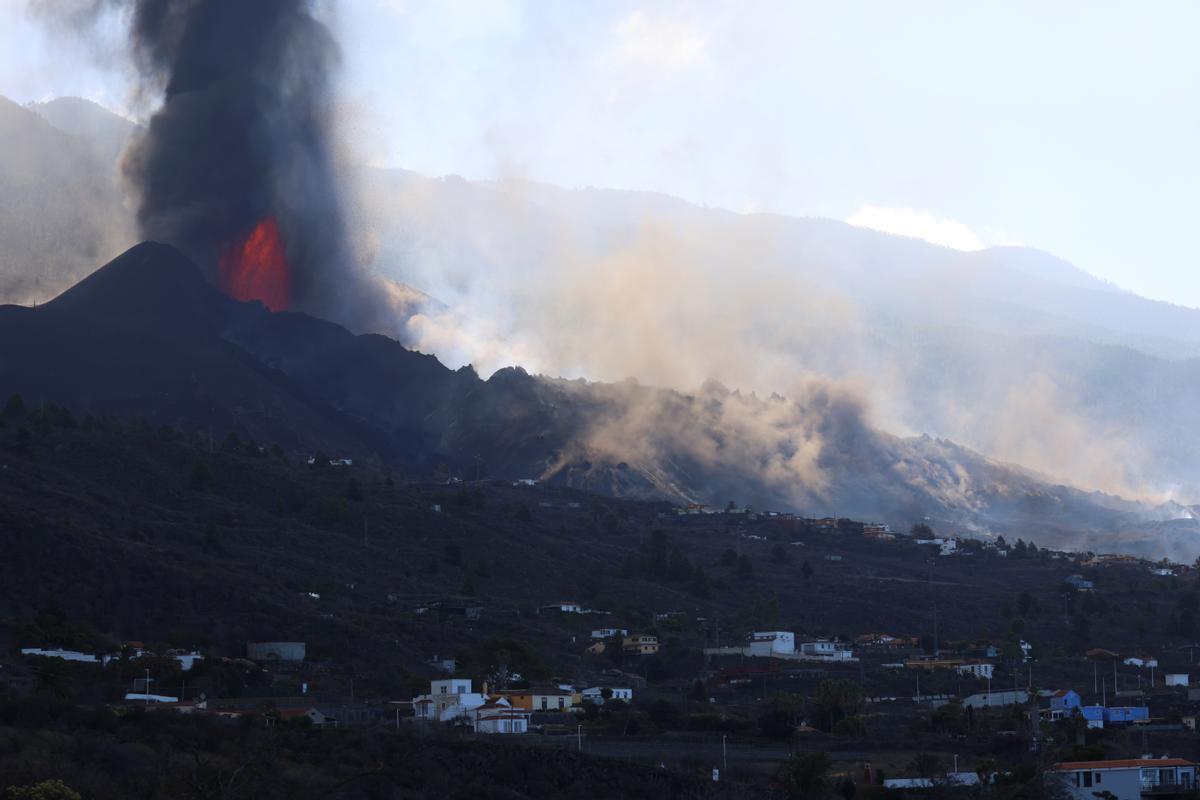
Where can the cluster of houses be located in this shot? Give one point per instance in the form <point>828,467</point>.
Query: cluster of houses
<point>454,701</point>
<point>638,644</point>
<point>1123,779</point>
<point>782,644</point>
<point>1066,703</point>
<point>186,658</point>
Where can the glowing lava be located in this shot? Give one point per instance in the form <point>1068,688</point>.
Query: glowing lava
<point>255,267</point>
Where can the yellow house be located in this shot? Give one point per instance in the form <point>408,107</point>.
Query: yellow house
<point>640,644</point>
<point>541,698</point>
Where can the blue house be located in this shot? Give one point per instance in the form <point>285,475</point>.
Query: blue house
<point>1080,583</point>
<point>1065,700</point>
<point>1121,715</point>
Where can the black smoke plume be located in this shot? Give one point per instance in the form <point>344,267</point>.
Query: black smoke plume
<point>244,133</point>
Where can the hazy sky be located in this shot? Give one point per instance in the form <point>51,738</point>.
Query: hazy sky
<point>1072,127</point>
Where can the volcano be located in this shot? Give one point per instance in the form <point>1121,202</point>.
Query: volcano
<point>255,267</point>
<point>147,335</point>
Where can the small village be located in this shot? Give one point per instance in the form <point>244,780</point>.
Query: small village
<point>891,710</point>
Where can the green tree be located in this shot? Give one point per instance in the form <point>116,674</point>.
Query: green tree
<point>354,490</point>
<point>806,570</point>
<point>925,765</point>
<point>679,568</point>
<point>53,789</point>
<point>745,570</point>
<point>15,409</point>
<point>834,701</point>
<point>804,775</point>
<point>920,530</point>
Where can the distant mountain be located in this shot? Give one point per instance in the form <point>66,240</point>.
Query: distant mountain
<point>103,133</point>
<point>1009,351</point>
<point>146,335</point>
<point>62,207</point>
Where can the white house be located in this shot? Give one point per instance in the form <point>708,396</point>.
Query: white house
<point>768,643</point>
<point>1177,679</point>
<point>565,607</point>
<point>1011,697</point>
<point>65,655</point>
<point>448,699</point>
<point>826,650</point>
<point>144,697</point>
<point>978,669</point>
<point>186,660</point>
<point>951,779</point>
<point>499,716</point>
<point>1126,779</point>
<point>595,694</point>
<point>609,633</point>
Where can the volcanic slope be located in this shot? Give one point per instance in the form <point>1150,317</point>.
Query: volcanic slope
<point>146,335</point>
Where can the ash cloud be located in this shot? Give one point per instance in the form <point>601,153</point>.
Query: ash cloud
<point>608,285</point>
<point>244,131</point>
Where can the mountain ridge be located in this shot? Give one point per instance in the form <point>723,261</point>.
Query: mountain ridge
<point>115,342</point>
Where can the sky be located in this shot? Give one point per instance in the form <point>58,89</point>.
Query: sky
<point>1070,127</point>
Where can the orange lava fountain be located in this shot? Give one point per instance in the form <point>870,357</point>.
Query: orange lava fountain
<point>255,267</point>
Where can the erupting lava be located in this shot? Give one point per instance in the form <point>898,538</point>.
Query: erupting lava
<point>255,267</point>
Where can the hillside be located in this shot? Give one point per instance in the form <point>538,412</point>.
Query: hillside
<point>115,529</point>
<point>1011,352</point>
<point>146,335</point>
<point>62,207</point>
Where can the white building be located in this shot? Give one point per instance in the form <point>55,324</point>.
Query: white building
<point>1126,779</point>
<point>827,650</point>
<point>65,655</point>
<point>186,660</point>
<point>1011,697</point>
<point>609,633</point>
<point>448,700</point>
<point>979,669</point>
<point>951,779</point>
<point>1177,679</point>
<point>769,643</point>
<point>565,607</point>
<point>595,694</point>
<point>144,697</point>
<point>499,716</point>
